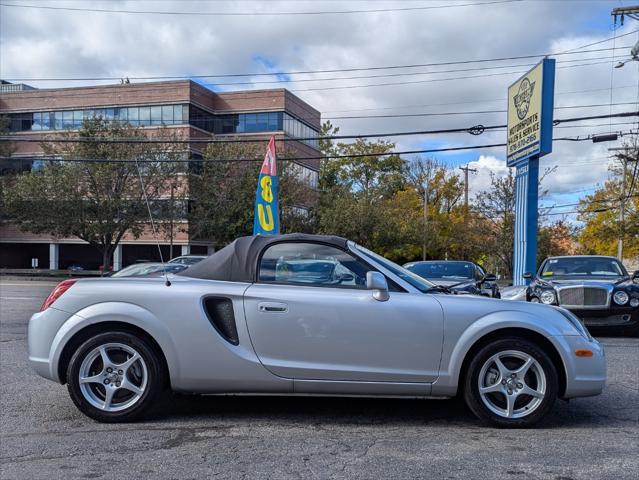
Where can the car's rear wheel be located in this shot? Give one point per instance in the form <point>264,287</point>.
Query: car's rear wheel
<point>511,382</point>
<point>115,377</point>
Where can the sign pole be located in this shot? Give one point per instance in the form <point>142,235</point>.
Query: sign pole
<point>530,122</point>
<point>526,219</point>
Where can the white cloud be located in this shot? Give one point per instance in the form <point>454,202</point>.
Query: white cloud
<point>46,43</point>
<point>485,166</point>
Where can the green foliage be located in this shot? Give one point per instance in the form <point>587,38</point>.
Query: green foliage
<point>97,201</point>
<point>600,211</point>
<point>223,192</point>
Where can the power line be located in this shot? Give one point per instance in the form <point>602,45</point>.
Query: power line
<point>480,112</point>
<point>503,99</point>
<point>403,74</point>
<point>258,14</point>
<point>434,80</point>
<point>290,159</point>
<point>475,130</point>
<point>14,78</point>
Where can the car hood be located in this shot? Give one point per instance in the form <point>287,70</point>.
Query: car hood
<point>605,283</point>
<point>450,283</point>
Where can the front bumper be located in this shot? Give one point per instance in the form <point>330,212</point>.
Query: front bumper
<point>609,317</point>
<point>585,376</point>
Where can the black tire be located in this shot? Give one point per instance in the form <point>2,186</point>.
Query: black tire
<point>153,386</point>
<point>471,383</point>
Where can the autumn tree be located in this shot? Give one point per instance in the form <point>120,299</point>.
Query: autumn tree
<point>95,189</point>
<point>442,220</point>
<point>354,189</point>
<point>494,221</point>
<point>222,192</point>
<point>600,211</point>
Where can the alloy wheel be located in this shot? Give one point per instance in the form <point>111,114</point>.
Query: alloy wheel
<point>113,377</point>
<point>512,384</point>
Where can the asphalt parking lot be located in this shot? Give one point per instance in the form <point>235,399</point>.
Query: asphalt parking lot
<point>42,435</point>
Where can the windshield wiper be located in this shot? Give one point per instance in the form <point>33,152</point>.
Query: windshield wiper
<point>445,288</point>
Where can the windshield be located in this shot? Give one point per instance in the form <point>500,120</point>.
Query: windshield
<point>186,260</point>
<point>147,269</point>
<point>416,281</point>
<point>443,270</point>
<point>582,267</point>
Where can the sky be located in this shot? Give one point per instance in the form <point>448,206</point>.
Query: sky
<point>48,43</point>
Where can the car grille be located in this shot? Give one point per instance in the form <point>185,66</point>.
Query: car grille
<point>583,297</point>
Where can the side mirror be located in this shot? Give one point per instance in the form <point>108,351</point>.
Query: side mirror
<point>635,276</point>
<point>376,282</point>
<point>528,276</point>
<point>490,277</point>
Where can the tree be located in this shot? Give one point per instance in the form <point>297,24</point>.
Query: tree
<point>558,238</point>
<point>99,200</point>
<point>494,221</point>
<point>442,220</point>
<point>222,192</point>
<point>354,190</point>
<point>600,211</point>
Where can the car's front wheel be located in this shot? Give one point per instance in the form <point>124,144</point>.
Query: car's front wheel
<point>511,382</point>
<point>115,377</point>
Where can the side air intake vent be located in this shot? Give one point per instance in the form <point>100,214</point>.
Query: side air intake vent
<point>219,311</point>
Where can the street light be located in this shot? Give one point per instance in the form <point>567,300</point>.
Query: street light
<point>634,53</point>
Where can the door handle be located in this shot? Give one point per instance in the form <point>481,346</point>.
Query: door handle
<point>272,307</point>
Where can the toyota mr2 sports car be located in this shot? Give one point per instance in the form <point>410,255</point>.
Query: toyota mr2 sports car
<point>307,314</point>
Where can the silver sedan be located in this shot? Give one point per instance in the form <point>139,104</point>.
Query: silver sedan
<point>306,314</point>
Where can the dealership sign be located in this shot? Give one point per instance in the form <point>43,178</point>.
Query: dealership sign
<point>530,113</point>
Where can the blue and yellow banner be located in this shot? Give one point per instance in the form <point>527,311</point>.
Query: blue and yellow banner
<point>267,221</point>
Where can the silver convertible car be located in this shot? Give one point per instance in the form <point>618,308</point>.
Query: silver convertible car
<point>310,315</point>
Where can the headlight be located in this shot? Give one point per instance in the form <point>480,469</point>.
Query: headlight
<point>547,297</point>
<point>620,297</point>
<point>634,302</point>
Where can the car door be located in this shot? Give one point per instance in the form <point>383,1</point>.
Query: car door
<point>306,323</point>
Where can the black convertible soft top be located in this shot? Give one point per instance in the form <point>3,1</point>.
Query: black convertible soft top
<point>237,262</point>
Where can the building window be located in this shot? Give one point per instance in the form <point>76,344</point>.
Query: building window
<point>305,175</point>
<point>297,129</point>
<point>73,119</point>
<point>133,116</point>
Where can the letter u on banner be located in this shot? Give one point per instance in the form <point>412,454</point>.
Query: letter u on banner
<point>266,215</point>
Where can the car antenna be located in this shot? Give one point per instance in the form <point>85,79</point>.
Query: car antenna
<point>167,282</point>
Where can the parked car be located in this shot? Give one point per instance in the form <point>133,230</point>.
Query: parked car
<point>188,260</point>
<point>149,269</point>
<point>458,276</point>
<point>597,289</point>
<point>515,292</point>
<point>233,324</point>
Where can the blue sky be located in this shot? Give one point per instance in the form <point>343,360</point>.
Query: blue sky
<point>120,45</point>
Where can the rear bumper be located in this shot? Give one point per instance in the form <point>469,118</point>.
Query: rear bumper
<point>585,376</point>
<point>42,330</point>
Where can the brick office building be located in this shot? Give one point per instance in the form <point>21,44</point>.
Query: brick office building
<point>189,109</point>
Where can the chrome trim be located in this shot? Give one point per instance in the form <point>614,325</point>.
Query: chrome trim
<point>608,289</point>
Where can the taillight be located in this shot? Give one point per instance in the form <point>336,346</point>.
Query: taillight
<point>57,293</point>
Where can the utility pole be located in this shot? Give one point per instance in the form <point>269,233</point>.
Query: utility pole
<point>622,211</point>
<point>625,196</point>
<point>466,169</point>
<point>425,230</point>
<point>622,12</point>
